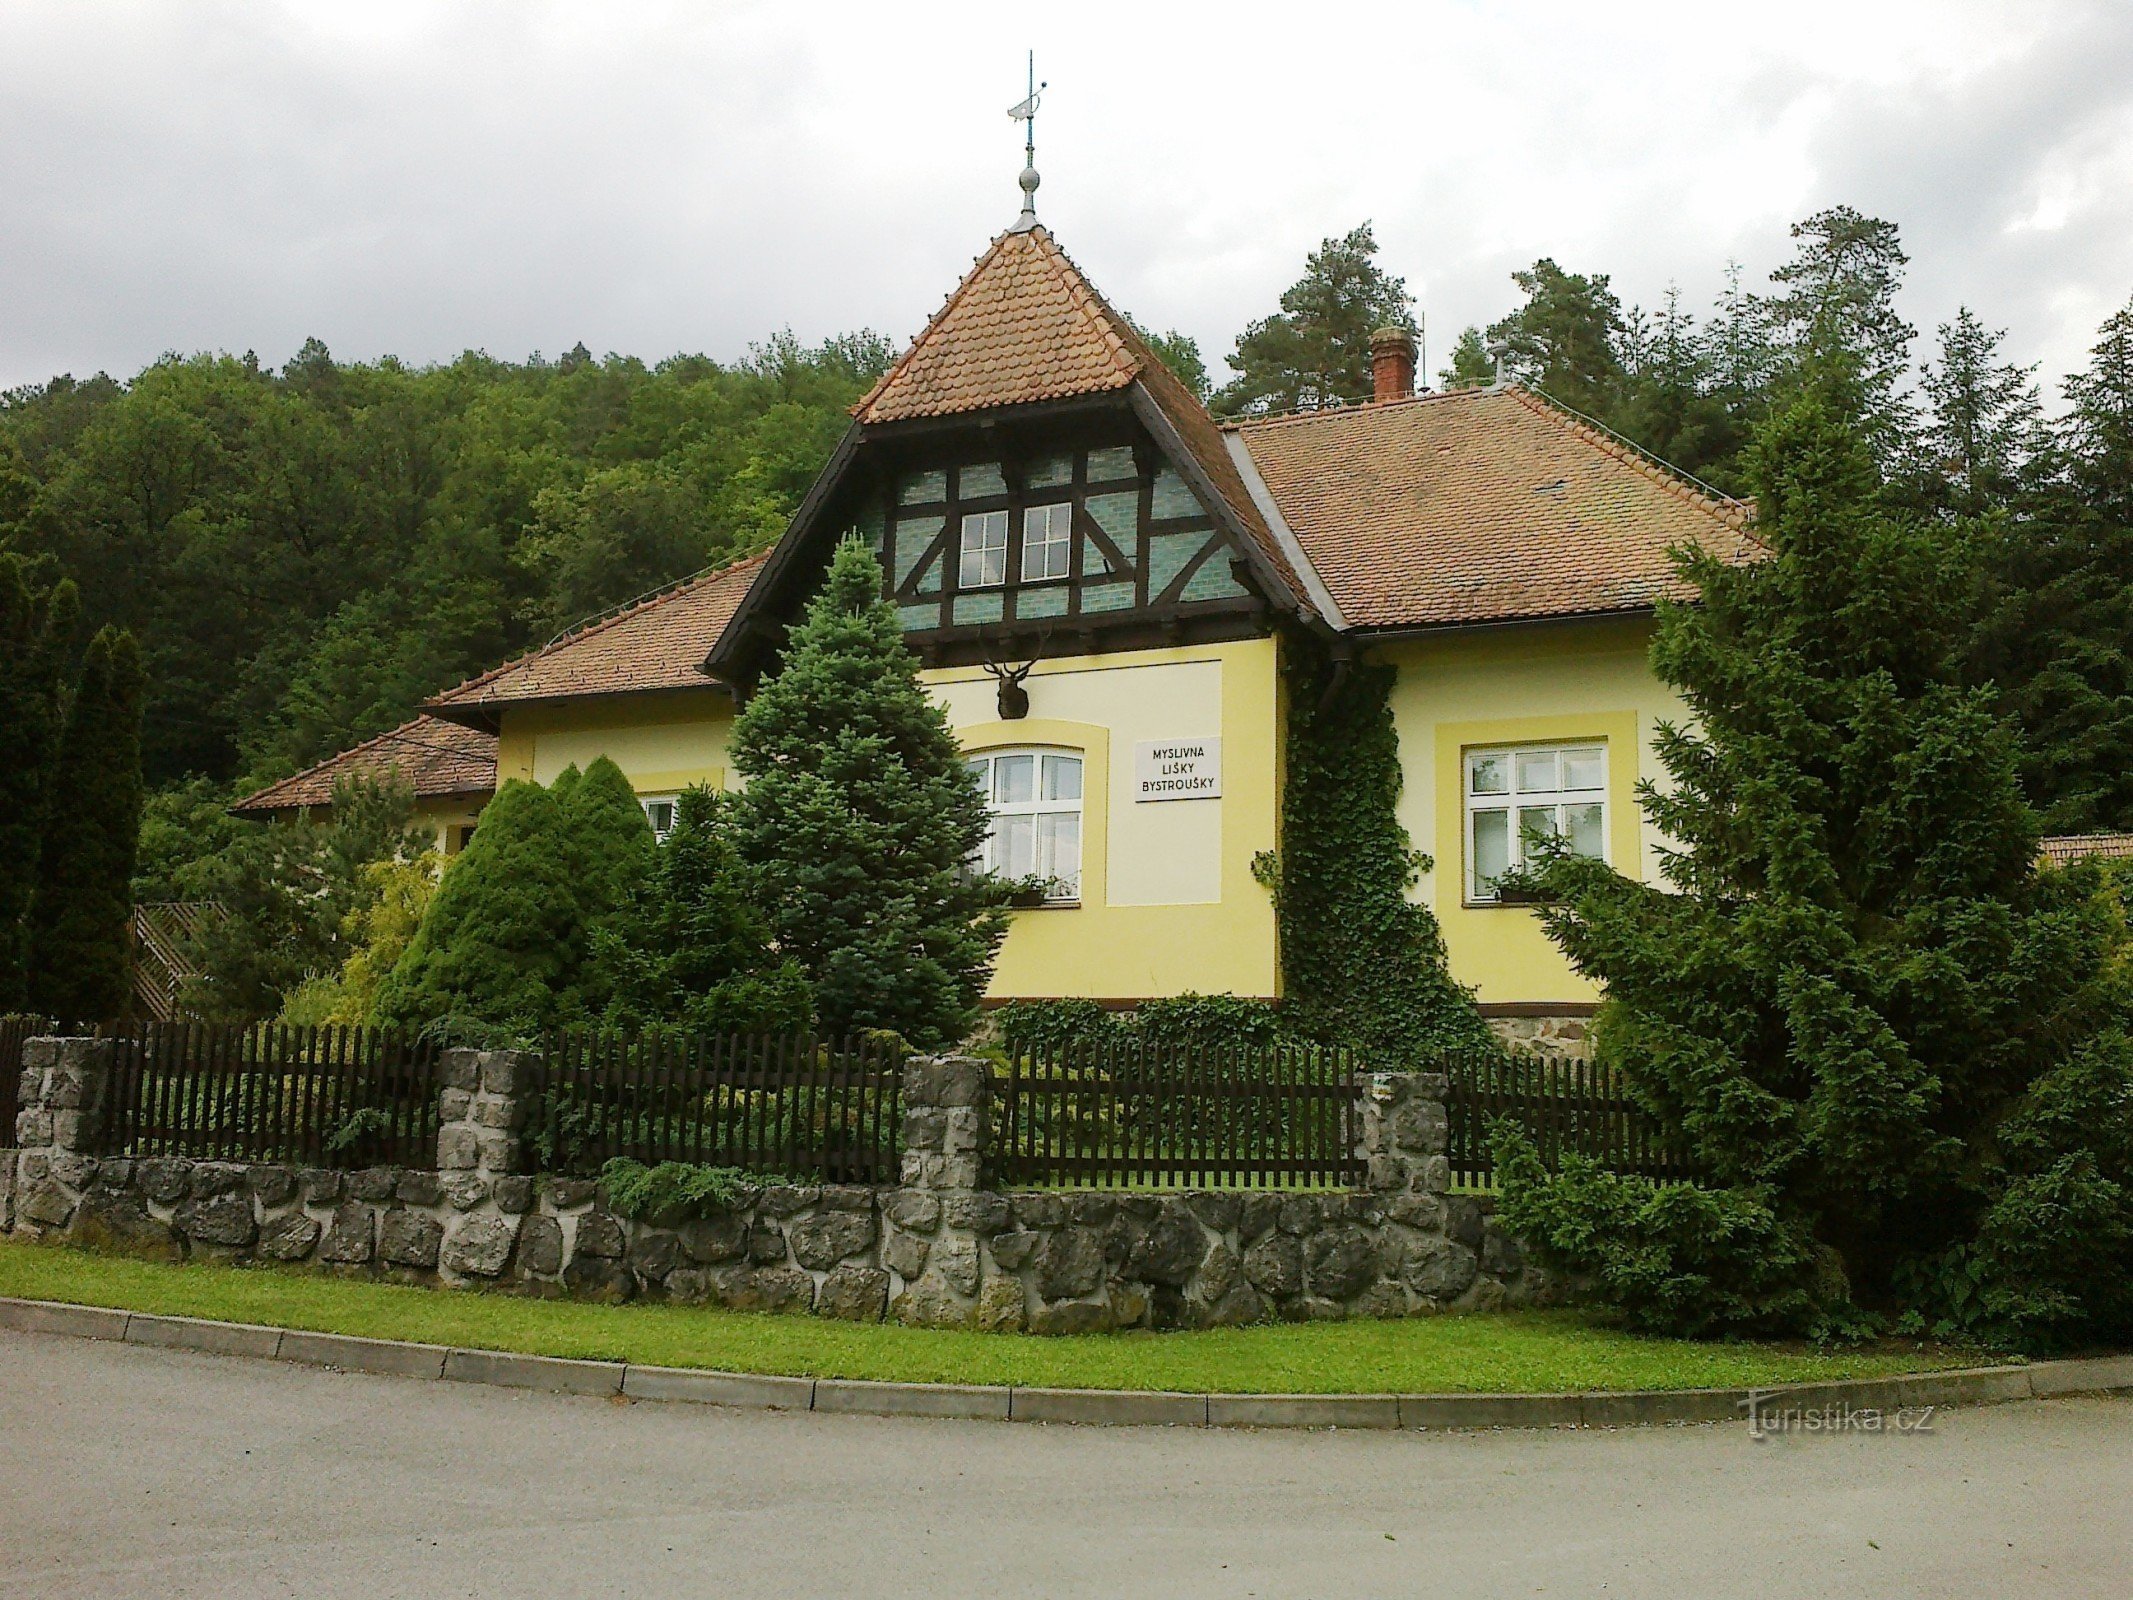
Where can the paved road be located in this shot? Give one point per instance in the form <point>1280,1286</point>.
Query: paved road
<point>131,1471</point>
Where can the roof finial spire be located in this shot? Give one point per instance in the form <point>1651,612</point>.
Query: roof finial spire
<point>1026,114</point>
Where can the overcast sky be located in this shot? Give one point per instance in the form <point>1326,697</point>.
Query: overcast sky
<point>648,178</point>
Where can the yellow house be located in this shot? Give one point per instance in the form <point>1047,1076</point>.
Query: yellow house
<point>450,766</point>
<point>1101,582</point>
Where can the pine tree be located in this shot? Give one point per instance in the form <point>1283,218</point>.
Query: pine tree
<point>1471,366</point>
<point>1860,973</point>
<point>1567,338</point>
<point>1315,351</point>
<point>508,939</point>
<point>81,928</point>
<point>691,949</point>
<point>859,819</point>
<point>36,630</point>
<point>1835,321</point>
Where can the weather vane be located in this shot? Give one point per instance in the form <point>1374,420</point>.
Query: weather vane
<point>1026,114</point>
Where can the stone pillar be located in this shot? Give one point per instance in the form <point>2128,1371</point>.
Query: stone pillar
<point>1405,1136</point>
<point>482,1109</point>
<point>947,1123</point>
<point>65,1086</point>
<point>481,1112</point>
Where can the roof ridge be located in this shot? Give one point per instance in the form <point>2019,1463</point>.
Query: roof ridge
<point>1674,480</point>
<point>897,367</point>
<point>1127,347</point>
<point>599,623</point>
<point>1360,408</point>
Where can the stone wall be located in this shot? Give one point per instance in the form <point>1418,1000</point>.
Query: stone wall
<point>939,1250</point>
<point>1566,1034</point>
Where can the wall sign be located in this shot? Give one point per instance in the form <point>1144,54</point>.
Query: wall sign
<point>1178,769</point>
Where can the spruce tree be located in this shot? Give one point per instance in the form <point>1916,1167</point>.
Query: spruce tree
<point>36,629</point>
<point>691,950</point>
<point>859,820</point>
<point>1860,976</point>
<point>81,927</point>
<point>507,940</point>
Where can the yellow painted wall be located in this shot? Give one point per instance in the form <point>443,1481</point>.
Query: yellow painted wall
<point>1545,685</point>
<point>1168,902</point>
<point>662,743</point>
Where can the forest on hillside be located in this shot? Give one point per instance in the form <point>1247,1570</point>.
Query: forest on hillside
<point>306,553</point>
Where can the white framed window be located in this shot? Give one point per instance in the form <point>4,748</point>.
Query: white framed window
<point>1035,800</point>
<point>984,550</point>
<point>1522,794</point>
<point>659,811</point>
<point>1047,541</point>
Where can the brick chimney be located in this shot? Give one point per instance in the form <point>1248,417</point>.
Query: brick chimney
<point>1392,364</point>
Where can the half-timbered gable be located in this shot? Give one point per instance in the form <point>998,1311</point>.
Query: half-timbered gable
<point>1035,483</point>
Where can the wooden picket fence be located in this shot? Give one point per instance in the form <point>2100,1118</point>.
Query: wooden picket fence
<point>1136,1113</point>
<point>315,1096</point>
<point>791,1104</point>
<point>1564,1106</point>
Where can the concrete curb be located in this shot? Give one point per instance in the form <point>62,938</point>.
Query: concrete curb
<point>1099,1407</point>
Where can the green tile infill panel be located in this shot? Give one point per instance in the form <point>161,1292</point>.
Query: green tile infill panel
<point>1168,554</point>
<point>1174,497</point>
<point>918,618</point>
<point>923,489</point>
<point>1042,600</point>
<point>978,607</point>
<point>1113,595</point>
<point>1050,472</point>
<point>914,537</point>
<point>980,482</point>
<point>1216,579</point>
<point>1115,463</point>
<point>1119,516</point>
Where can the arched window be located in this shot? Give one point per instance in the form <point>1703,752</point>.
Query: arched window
<point>1035,800</point>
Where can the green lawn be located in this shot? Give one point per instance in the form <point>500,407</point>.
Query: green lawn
<point>1531,1351</point>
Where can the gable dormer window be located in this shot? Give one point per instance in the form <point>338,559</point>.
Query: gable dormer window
<point>1047,541</point>
<point>984,550</point>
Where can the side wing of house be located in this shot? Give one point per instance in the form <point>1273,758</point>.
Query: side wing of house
<point>1505,559</point>
<point>450,768</point>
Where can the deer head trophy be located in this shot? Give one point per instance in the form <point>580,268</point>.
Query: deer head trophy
<point>1014,699</point>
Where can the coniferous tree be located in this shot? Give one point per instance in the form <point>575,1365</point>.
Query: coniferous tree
<point>1859,976</point>
<point>1567,339</point>
<point>508,939</point>
<point>1835,323</point>
<point>2054,640</point>
<point>859,821</point>
<point>36,628</point>
<point>1315,351</point>
<point>81,928</point>
<point>691,949</point>
<point>1471,366</point>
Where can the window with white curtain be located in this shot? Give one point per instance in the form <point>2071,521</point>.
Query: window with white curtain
<point>984,550</point>
<point>1035,800</point>
<point>1518,796</point>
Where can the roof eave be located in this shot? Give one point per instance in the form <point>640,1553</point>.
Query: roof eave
<point>724,654</point>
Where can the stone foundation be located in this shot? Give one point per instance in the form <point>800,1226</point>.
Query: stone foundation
<point>1565,1034</point>
<point>939,1250</point>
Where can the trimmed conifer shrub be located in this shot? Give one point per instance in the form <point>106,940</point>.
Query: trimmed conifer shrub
<point>36,630</point>
<point>859,820</point>
<point>1894,1047</point>
<point>81,927</point>
<point>507,939</point>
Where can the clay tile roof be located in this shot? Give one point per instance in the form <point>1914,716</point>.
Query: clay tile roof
<point>654,644</point>
<point>1024,325</point>
<point>1482,505</point>
<point>2065,849</point>
<point>439,758</point>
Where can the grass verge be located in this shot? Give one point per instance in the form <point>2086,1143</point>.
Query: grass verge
<point>1510,1352</point>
